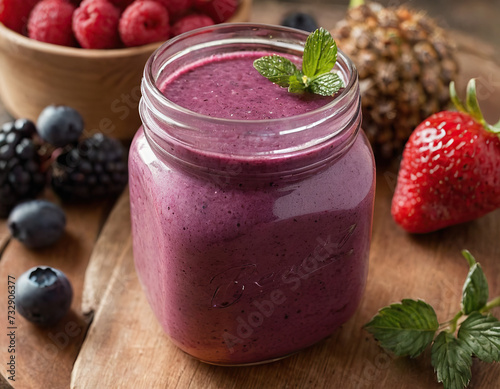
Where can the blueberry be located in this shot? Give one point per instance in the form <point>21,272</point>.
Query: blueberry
<point>43,295</point>
<point>301,21</point>
<point>37,223</point>
<point>60,125</point>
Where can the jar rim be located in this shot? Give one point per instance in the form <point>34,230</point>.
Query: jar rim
<point>149,78</point>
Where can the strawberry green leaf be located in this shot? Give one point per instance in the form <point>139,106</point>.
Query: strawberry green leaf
<point>455,99</point>
<point>452,361</point>
<point>481,333</point>
<point>469,257</point>
<point>472,106</point>
<point>276,69</point>
<point>475,290</point>
<point>406,328</point>
<point>471,102</point>
<point>320,53</point>
<point>356,3</point>
<point>326,84</point>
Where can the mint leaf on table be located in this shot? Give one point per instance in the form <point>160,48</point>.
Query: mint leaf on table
<point>398,325</point>
<point>475,291</point>
<point>406,329</point>
<point>481,333</point>
<point>451,361</point>
<point>320,56</point>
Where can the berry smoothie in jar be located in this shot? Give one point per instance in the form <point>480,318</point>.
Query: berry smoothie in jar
<point>251,206</point>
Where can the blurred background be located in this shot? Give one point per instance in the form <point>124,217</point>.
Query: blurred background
<point>479,18</point>
<point>472,27</point>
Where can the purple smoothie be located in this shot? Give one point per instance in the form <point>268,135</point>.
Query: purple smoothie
<point>233,89</point>
<point>240,269</point>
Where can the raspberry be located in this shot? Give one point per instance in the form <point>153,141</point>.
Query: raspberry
<point>95,24</point>
<point>121,4</point>
<point>176,8</point>
<point>95,168</point>
<point>21,177</point>
<point>144,21</point>
<point>50,22</point>
<point>14,13</point>
<point>219,10</point>
<point>190,22</point>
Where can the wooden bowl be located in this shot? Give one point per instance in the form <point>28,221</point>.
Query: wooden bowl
<point>103,85</point>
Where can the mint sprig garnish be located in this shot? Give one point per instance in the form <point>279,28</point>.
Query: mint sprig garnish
<point>407,329</point>
<point>276,69</point>
<point>320,53</point>
<point>320,56</point>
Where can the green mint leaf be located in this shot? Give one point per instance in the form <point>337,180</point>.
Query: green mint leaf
<point>320,53</point>
<point>326,84</point>
<point>481,333</point>
<point>296,83</point>
<point>475,290</point>
<point>406,328</point>
<point>452,361</point>
<point>275,68</point>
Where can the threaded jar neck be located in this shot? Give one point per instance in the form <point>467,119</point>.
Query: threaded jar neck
<point>201,143</point>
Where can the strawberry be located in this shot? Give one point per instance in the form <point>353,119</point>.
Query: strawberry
<point>450,172</point>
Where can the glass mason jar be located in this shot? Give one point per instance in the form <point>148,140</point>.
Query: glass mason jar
<point>247,255</point>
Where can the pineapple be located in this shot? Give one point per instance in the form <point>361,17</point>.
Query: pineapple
<point>405,64</point>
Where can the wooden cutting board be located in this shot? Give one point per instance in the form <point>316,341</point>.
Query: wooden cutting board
<point>126,348</point>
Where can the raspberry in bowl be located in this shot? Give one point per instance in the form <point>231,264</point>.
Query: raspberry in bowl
<point>93,70</point>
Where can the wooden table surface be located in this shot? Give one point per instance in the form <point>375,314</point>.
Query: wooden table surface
<point>110,339</point>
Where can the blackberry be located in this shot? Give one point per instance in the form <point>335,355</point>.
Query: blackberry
<point>95,168</point>
<point>21,176</point>
<point>301,21</point>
